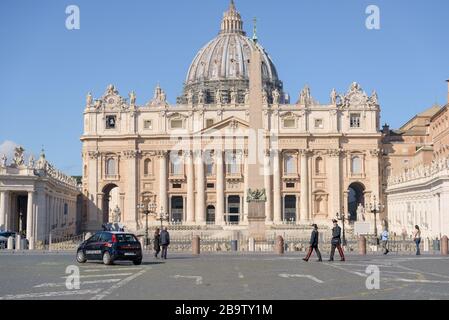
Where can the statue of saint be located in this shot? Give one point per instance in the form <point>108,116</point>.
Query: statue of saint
<point>132,98</point>
<point>201,97</point>
<point>360,213</point>
<point>276,96</point>
<point>218,97</point>
<point>246,96</point>
<point>163,96</point>
<point>116,215</point>
<point>18,156</point>
<point>89,100</point>
<point>264,97</point>
<point>3,161</point>
<point>233,96</point>
<point>334,97</point>
<point>31,162</point>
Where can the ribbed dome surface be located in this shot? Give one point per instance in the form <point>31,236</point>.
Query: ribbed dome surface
<point>226,57</point>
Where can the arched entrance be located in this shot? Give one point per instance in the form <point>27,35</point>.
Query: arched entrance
<point>355,197</point>
<point>110,201</point>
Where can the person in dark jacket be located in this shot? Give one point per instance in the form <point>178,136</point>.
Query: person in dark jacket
<point>165,242</point>
<point>336,241</point>
<point>157,243</point>
<point>313,244</point>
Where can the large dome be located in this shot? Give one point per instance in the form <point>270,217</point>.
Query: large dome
<point>223,63</point>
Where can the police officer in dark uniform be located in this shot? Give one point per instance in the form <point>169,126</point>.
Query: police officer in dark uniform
<point>336,241</point>
<point>313,244</point>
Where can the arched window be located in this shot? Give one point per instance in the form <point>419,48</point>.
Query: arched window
<point>289,164</point>
<point>148,167</point>
<point>319,166</point>
<point>176,164</point>
<point>356,165</point>
<point>111,168</point>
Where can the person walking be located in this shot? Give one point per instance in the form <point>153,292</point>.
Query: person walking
<point>417,239</point>
<point>157,243</point>
<point>384,240</point>
<point>336,241</point>
<point>314,245</point>
<point>165,242</point>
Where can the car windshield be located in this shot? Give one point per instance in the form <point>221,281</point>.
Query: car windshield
<point>126,238</point>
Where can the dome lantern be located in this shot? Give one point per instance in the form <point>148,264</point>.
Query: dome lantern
<point>232,21</point>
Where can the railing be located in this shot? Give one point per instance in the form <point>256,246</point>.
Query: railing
<point>64,243</point>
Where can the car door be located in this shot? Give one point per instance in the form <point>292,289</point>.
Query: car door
<point>91,245</point>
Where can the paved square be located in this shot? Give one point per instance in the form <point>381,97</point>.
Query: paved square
<point>225,277</point>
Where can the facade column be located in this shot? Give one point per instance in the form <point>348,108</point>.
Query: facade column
<point>30,215</point>
<point>333,170</point>
<point>2,210</point>
<point>131,214</point>
<point>245,185</point>
<point>304,210</point>
<point>190,188</point>
<point>7,208</point>
<point>219,209</point>
<point>163,181</point>
<point>93,175</point>
<point>277,209</point>
<point>200,189</point>
<point>267,182</point>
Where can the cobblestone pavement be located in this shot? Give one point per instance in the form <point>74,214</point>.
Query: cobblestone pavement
<point>225,277</point>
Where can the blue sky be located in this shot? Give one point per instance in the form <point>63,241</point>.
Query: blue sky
<point>46,70</point>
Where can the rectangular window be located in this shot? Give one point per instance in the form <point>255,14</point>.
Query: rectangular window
<point>209,123</point>
<point>176,124</point>
<point>319,124</point>
<point>148,124</point>
<point>289,123</point>
<point>177,186</point>
<point>210,185</point>
<point>290,185</point>
<point>111,122</point>
<point>354,120</point>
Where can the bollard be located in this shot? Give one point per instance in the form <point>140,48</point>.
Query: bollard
<point>444,246</point>
<point>18,242</point>
<point>31,243</point>
<point>362,245</point>
<point>251,245</point>
<point>24,244</point>
<point>10,243</point>
<point>280,245</point>
<point>196,245</point>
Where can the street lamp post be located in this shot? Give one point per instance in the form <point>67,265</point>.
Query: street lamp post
<point>146,210</point>
<point>162,217</point>
<point>375,207</point>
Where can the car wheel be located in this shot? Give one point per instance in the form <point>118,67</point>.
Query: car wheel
<point>137,262</point>
<point>107,259</point>
<point>81,257</point>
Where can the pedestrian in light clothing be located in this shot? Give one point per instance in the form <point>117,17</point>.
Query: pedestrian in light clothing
<point>157,243</point>
<point>165,242</point>
<point>417,239</point>
<point>313,244</point>
<point>384,240</point>
<point>336,241</point>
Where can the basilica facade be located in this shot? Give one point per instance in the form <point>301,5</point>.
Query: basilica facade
<point>193,159</point>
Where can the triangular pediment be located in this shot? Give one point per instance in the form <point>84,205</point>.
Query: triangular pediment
<point>227,125</point>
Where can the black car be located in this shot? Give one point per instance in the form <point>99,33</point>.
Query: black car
<point>110,246</point>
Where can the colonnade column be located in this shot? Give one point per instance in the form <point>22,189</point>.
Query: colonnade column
<point>2,209</point>
<point>277,209</point>
<point>200,189</point>
<point>163,181</point>
<point>304,209</point>
<point>30,215</point>
<point>267,182</point>
<point>219,209</point>
<point>190,188</point>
